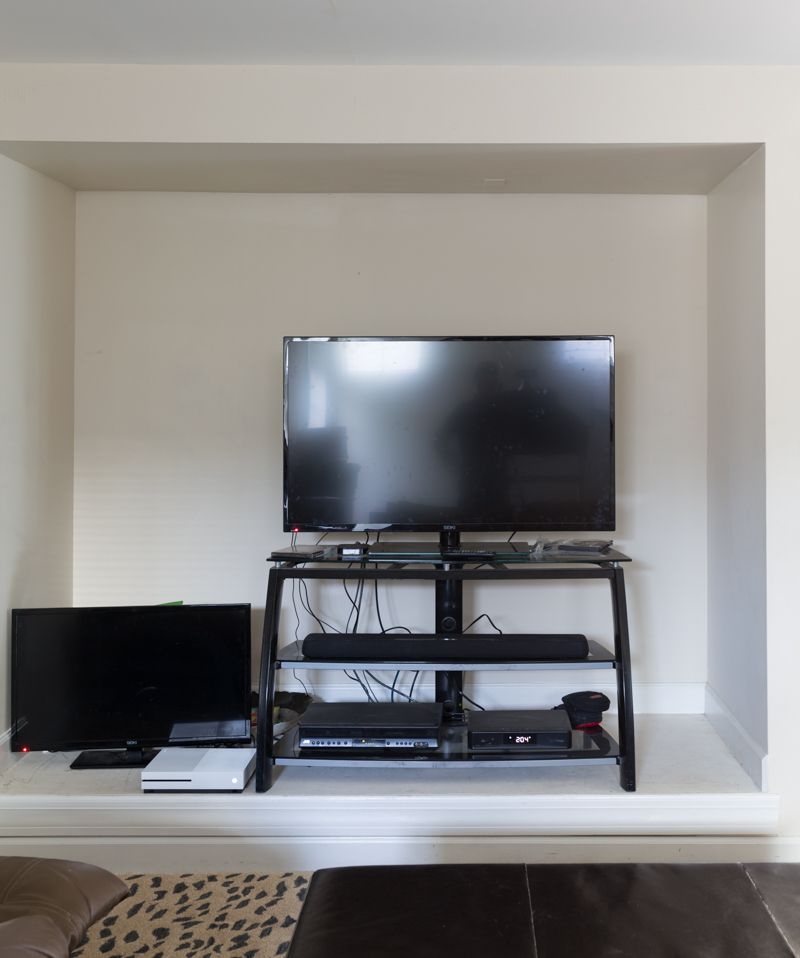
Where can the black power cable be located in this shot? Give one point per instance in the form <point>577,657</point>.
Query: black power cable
<point>483,615</point>
<point>306,603</point>
<point>354,603</point>
<point>296,635</point>
<point>465,696</point>
<point>355,677</point>
<point>392,689</point>
<point>356,600</point>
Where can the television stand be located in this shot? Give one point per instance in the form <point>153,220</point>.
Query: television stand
<point>115,758</point>
<point>592,746</point>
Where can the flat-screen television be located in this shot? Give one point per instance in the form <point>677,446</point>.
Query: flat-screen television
<point>449,433</point>
<point>127,678</point>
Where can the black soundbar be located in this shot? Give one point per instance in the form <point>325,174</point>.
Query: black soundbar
<point>380,647</point>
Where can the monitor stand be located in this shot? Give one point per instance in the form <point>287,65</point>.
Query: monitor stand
<point>115,758</point>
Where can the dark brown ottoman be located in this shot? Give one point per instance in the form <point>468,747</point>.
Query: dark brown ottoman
<point>657,911</point>
<point>552,911</point>
<point>422,910</point>
<point>47,904</point>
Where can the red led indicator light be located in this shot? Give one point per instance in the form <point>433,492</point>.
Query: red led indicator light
<point>295,529</point>
<point>25,748</point>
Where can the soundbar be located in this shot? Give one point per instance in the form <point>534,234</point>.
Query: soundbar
<point>380,647</point>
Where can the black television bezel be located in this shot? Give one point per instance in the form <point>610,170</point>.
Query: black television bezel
<point>448,527</point>
<point>70,745</point>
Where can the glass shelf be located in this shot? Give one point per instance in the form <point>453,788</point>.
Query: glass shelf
<point>330,555</point>
<point>598,747</point>
<point>291,657</point>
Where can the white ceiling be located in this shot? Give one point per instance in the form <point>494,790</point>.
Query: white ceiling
<point>391,168</point>
<point>402,31</point>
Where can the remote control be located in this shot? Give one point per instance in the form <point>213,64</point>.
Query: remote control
<point>585,545</point>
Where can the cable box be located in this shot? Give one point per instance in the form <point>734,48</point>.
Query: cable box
<point>519,730</point>
<point>380,647</point>
<point>368,726</point>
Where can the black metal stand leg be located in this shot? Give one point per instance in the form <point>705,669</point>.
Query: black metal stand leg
<point>622,652</point>
<point>266,684</point>
<point>449,620</point>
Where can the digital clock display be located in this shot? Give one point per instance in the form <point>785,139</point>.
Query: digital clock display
<point>519,739</point>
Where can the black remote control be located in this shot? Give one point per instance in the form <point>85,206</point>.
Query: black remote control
<point>585,545</point>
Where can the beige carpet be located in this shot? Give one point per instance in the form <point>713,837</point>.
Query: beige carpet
<point>200,916</point>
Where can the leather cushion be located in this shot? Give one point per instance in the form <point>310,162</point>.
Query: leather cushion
<point>424,911</point>
<point>778,884</point>
<point>71,894</point>
<point>603,910</point>
<point>32,936</point>
<point>653,910</point>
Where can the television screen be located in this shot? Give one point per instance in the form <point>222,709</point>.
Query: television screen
<point>127,677</point>
<point>427,434</point>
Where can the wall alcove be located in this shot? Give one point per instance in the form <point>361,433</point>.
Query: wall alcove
<point>193,260</point>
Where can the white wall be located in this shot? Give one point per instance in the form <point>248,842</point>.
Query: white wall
<point>737,649</point>
<point>36,379</point>
<point>182,301</point>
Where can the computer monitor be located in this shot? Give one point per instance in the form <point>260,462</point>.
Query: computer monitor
<point>127,678</point>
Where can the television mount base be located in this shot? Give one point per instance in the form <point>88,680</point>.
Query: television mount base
<point>115,758</point>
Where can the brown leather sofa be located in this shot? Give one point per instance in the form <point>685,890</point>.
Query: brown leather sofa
<point>47,904</point>
<point>551,911</point>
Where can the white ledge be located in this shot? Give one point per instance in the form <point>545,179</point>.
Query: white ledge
<point>688,784</point>
<point>414,816</point>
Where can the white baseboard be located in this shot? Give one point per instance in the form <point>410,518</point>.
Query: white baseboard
<point>744,749</point>
<point>277,855</point>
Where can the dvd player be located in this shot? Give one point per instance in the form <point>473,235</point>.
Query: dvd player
<point>380,647</point>
<point>369,726</point>
<point>519,730</point>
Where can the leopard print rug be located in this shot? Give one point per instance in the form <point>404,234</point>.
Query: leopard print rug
<point>200,916</point>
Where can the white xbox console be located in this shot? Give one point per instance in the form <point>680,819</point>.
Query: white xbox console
<point>199,770</point>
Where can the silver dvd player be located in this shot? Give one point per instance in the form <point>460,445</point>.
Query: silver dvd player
<point>369,743</point>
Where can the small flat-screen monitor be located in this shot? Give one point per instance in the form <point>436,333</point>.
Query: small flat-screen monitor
<point>449,433</point>
<point>128,678</point>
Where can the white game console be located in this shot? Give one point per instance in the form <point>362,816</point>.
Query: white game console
<point>199,770</point>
